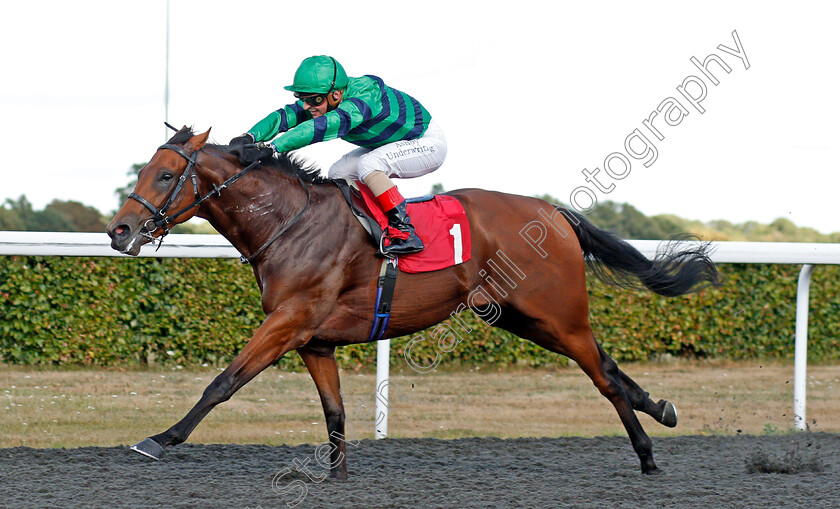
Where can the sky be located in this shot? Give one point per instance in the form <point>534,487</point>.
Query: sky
<point>532,95</point>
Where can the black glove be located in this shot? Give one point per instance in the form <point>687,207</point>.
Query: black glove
<point>256,151</point>
<point>237,145</point>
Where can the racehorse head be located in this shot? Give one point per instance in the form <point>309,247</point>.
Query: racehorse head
<point>164,185</point>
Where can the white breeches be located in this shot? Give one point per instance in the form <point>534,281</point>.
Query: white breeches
<point>400,159</point>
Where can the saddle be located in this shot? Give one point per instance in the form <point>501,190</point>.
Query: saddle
<point>439,220</point>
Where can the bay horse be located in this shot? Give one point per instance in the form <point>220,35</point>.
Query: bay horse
<point>317,269</point>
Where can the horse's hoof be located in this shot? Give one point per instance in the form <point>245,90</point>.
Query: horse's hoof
<point>652,471</point>
<point>669,414</point>
<point>150,448</point>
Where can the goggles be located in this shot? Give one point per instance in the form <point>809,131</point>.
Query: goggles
<point>312,100</point>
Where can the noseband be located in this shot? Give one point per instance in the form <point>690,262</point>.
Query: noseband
<point>161,220</point>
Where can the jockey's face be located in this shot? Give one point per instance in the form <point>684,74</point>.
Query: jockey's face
<point>322,108</point>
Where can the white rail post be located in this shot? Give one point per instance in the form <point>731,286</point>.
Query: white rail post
<point>383,349</point>
<point>800,348</point>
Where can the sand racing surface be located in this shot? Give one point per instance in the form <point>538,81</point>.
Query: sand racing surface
<point>785,470</point>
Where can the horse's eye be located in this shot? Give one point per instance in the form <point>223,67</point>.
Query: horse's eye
<point>165,177</point>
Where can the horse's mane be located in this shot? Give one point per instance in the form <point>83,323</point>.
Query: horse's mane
<point>288,164</point>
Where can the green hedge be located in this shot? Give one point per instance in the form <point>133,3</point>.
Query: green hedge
<point>122,312</point>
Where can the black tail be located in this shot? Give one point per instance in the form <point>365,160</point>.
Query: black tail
<point>676,270</point>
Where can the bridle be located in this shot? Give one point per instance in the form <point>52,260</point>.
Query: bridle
<point>161,220</point>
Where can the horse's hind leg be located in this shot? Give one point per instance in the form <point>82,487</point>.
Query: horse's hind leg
<point>604,373</point>
<point>663,411</point>
<point>320,361</point>
<point>578,343</point>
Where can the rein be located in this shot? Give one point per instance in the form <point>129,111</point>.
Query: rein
<point>282,230</point>
<point>161,220</point>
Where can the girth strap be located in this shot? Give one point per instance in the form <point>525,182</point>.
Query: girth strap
<point>384,295</point>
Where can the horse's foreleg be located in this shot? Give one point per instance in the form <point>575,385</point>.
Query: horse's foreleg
<point>276,336</point>
<point>320,361</point>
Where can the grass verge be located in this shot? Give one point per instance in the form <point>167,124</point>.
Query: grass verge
<point>97,407</point>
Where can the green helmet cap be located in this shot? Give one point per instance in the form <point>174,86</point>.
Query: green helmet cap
<point>319,75</point>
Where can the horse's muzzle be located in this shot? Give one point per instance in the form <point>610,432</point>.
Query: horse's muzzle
<point>125,239</point>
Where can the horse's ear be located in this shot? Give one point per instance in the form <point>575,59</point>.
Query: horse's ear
<point>199,140</point>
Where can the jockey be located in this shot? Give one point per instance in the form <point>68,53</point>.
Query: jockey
<point>395,134</point>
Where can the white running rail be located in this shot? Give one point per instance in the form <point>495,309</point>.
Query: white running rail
<point>216,246</point>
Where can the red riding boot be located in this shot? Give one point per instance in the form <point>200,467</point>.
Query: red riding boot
<point>404,239</point>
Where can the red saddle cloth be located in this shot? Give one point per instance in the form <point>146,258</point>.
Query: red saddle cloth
<point>441,224</point>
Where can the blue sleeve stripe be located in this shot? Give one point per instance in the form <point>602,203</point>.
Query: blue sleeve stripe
<point>297,110</point>
<point>284,121</point>
<point>297,107</point>
<point>320,124</point>
<point>301,114</point>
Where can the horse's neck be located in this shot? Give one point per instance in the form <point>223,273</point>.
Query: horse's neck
<point>252,210</point>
